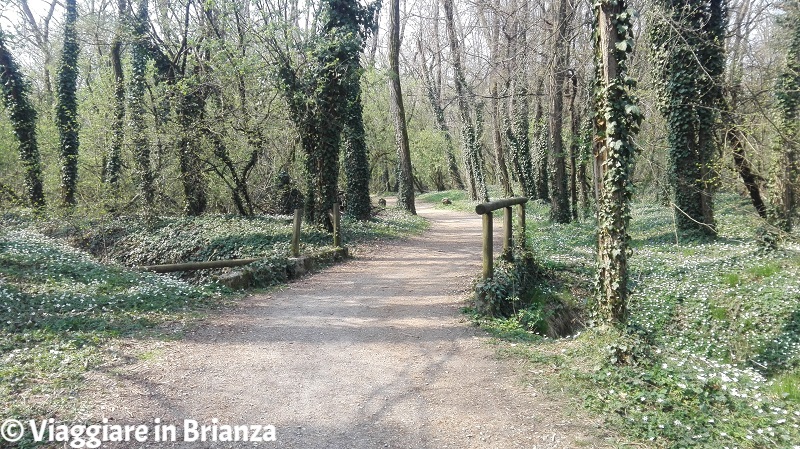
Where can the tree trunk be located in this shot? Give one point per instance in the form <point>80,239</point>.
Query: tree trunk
<point>191,106</point>
<point>355,156</point>
<point>689,40</point>
<point>613,157</point>
<point>469,134</point>
<point>436,105</point>
<point>138,87</point>
<point>574,134</point>
<point>405,193</point>
<point>23,121</point>
<point>541,144</point>
<point>583,176</point>
<point>67,107</point>
<point>517,112</point>
<point>788,95</point>
<point>114,160</point>
<point>559,212</point>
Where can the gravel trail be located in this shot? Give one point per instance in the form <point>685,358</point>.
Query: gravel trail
<point>370,353</point>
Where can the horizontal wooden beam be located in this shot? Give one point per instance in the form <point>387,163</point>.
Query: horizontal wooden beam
<point>192,266</point>
<point>485,208</point>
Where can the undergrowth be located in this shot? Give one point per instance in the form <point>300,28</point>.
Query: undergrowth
<point>711,355</point>
<point>66,295</point>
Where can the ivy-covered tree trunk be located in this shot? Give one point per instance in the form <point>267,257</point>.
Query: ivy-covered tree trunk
<point>23,121</point>
<point>690,61</point>
<point>541,144</point>
<point>114,160</point>
<point>559,211</point>
<point>469,134</point>
<point>517,117</point>
<point>435,101</point>
<point>788,95</point>
<point>190,108</point>
<point>616,120</point>
<point>356,166</point>
<point>496,61</point>
<point>317,85</point>
<point>67,107</point>
<point>138,87</point>
<point>585,155</point>
<point>574,144</point>
<point>405,181</point>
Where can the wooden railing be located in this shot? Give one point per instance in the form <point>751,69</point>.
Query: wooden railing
<point>335,215</point>
<point>486,210</point>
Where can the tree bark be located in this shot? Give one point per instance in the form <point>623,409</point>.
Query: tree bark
<point>405,193</point>
<point>23,121</point>
<point>541,149</point>
<point>114,159</point>
<point>613,157</point>
<point>559,212</point>
<point>435,101</point>
<point>67,107</point>
<point>355,155</point>
<point>139,137</point>
<point>469,134</point>
<point>517,110</point>
<point>574,130</point>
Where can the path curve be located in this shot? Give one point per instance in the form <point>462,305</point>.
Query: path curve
<point>370,353</point>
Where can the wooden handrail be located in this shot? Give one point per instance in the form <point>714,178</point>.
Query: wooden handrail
<point>192,266</point>
<point>485,208</point>
<point>294,248</point>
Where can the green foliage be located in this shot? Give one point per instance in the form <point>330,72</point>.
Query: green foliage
<point>688,49</point>
<point>519,143</point>
<point>61,312</point>
<point>713,343</point>
<point>356,163</point>
<point>319,83</point>
<point>15,92</point>
<point>67,106</point>
<point>135,241</point>
<point>526,325</point>
<point>191,108</point>
<point>787,386</point>
<point>510,287</point>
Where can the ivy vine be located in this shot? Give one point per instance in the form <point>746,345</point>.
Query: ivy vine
<point>689,58</point>
<point>22,115</point>
<point>67,107</point>
<point>616,120</point>
<point>787,93</point>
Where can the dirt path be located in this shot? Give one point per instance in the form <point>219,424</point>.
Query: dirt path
<point>371,353</point>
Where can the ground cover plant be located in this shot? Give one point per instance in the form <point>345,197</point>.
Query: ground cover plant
<point>65,311</point>
<point>711,353</point>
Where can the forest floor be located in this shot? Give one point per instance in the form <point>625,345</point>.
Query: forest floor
<point>373,352</point>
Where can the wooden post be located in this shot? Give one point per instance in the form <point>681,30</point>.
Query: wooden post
<point>298,219</point>
<point>488,262</point>
<point>521,211</point>
<point>337,237</point>
<point>508,235</point>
